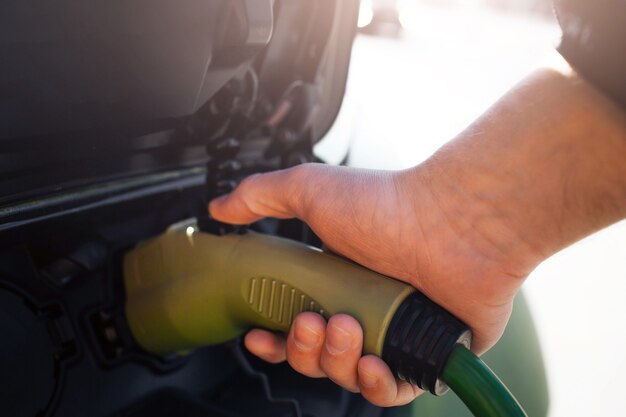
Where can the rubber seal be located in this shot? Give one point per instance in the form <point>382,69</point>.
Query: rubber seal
<point>419,341</point>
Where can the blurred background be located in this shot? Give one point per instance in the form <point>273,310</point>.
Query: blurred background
<point>421,72</point>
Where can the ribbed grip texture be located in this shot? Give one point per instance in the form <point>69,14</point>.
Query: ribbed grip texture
<point>419,341</point>
<point>277,301</point>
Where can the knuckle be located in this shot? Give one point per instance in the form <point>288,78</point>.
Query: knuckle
<point>248,182</point>
<point>301,186</point>
<point>246,194</point>
<point>303,172</point>
<point>247,185</point>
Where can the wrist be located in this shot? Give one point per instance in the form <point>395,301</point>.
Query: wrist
<point>470,209</point>
<point>466,259</point>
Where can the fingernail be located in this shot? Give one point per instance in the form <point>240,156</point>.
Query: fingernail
<point>305,338</point>
<point>367,380</point>
<point>338,340</point>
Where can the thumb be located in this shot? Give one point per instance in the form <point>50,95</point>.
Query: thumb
<point>276,194</point>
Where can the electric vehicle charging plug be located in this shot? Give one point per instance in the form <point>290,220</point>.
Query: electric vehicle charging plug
<point>187,289</point>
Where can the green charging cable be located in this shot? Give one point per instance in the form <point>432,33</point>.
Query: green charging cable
<point>478,387</point>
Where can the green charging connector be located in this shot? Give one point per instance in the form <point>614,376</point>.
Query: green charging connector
<point>187,289</point>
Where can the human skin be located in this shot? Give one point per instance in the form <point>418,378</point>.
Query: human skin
<point>541,169</point>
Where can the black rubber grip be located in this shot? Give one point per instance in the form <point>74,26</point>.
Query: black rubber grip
<point>419,341</point>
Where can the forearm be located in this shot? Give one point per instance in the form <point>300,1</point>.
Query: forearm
<point>546,165</point>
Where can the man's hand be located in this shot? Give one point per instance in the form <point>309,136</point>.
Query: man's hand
<point>392,223</point>
<point>541,169</point>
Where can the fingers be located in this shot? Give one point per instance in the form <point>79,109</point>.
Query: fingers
<point>266,345</point>
<point>380,387</point>
<point>319,349</point>
<point>276,194</point>
<point>304,344</point>
<point>342,350</point>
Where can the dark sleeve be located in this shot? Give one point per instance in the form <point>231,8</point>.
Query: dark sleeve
<point>594,42</point>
